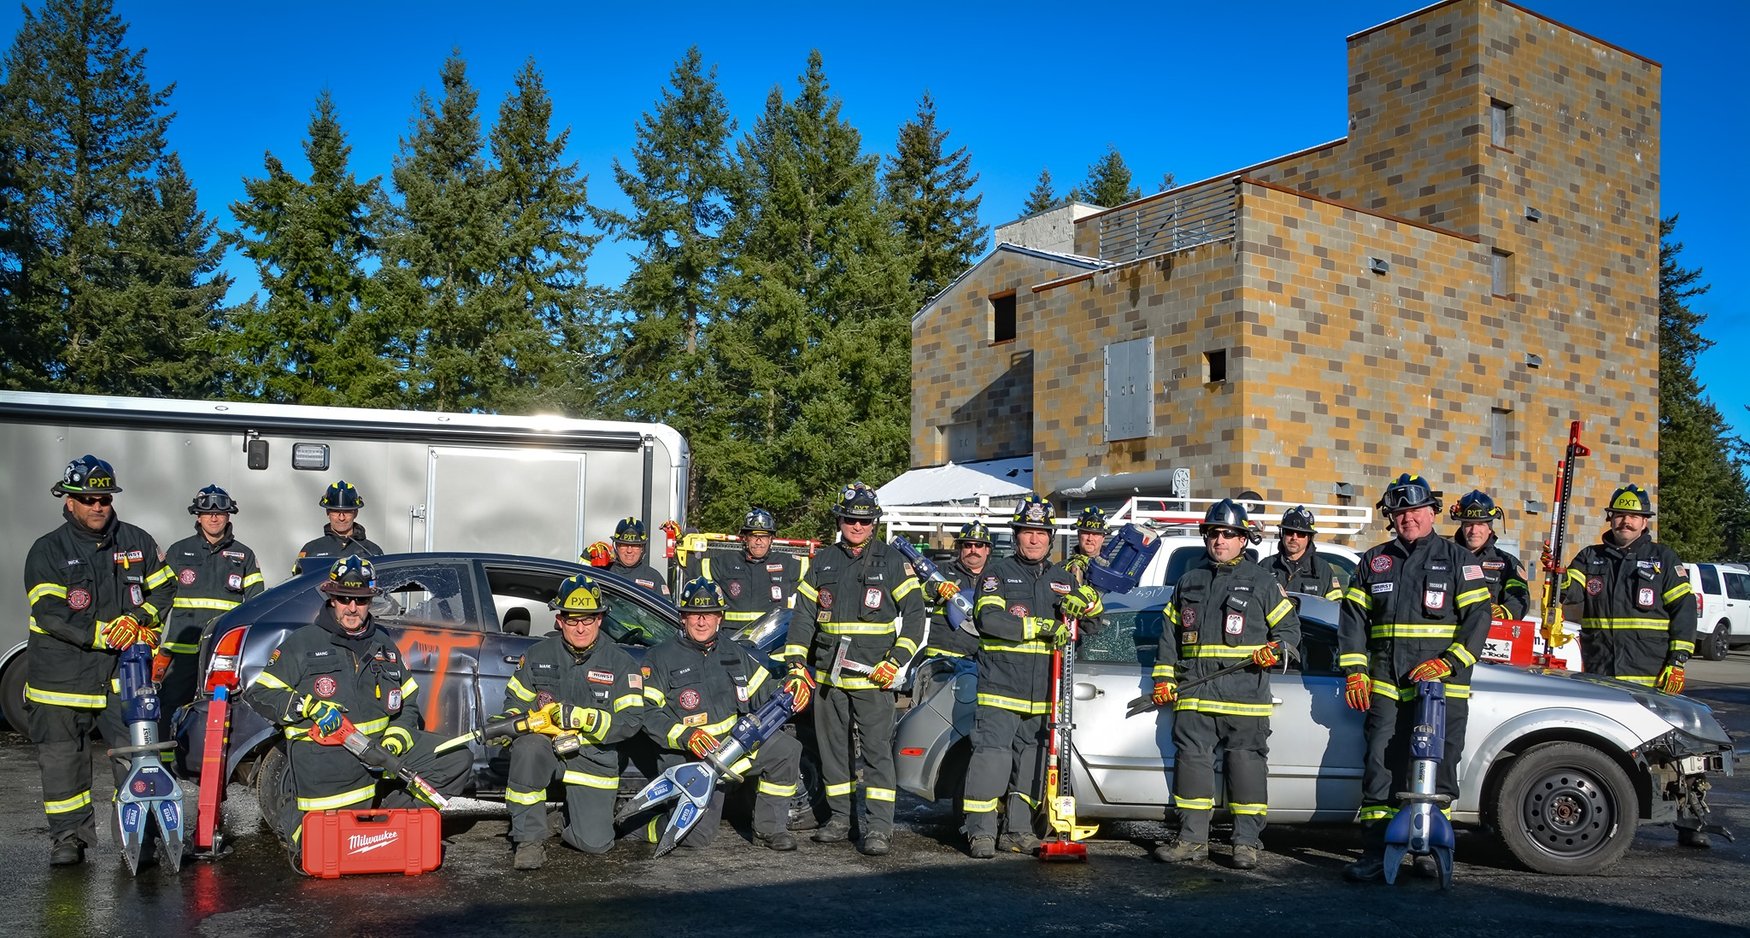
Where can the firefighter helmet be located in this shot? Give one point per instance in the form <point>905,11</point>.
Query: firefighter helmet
<point>1408,491</point>
<point>212,500</point>
<point>342,496</point>
<point>700,595</point>
<point>857,501</point>
<point>630,531</point>
<point>973,532</point>
<point>1229,515</point>
<point>1299,519</point>
<point>1476,505</point>
<point>1631,499</point>
<point>351,576</point>
<point>87,475</point>
<point>759,521</point>
<point>578,596</point>
<point>1092,519</point>
<point>1035,513</point>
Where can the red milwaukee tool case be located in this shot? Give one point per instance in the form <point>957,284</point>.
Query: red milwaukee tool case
<point>349,841</point>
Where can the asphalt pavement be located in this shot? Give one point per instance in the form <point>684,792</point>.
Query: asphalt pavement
<point>927,886</point>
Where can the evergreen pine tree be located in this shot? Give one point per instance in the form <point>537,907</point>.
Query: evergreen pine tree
<point>1043,197</point>
<point>1108,182</point>
<point>307,341</point>
<point>933,204</point>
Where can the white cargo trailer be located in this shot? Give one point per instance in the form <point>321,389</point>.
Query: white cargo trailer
<point>540,485</point>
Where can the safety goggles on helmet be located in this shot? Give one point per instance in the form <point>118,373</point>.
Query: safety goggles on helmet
<point>857,501</point>
<point>700,595</point>
<point>759,521</point>
<point>87,475</point>
<point>1406,492</point>
<point>212,500</point>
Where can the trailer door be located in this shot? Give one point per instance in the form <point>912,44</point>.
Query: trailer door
<point>504,501</point>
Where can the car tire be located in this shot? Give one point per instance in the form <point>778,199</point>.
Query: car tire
<point>1567,809</point>
<point>273,785</point>
<point>12,695</point>
<point>1717,645</point>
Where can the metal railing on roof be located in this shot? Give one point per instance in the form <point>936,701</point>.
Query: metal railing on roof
<point>1171,222</point>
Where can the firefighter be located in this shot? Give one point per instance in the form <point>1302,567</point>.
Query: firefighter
<point>215,573</point>
<point>1417,610</point>
<point>972,549</point>
<point>344,666</point>
<point>1024,604</point>
<point>1296,564</point>
<point>1228,609</point>
<point>1636,610</point>
<point>1090,537</point>
<point>862,594</point>
<point>755,580</point>
<point>1509,596</point>
<point>630,540</point>
<point>343,534</point>
<point>96,586</point>
<point>593,694</point>
<point>697,685</point>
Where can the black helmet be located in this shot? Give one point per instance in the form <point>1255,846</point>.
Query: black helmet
<point>350,576</point>
<point>1033,512</point>
<point>1299,519</point>
<point>700,595</point>
<point>1092,519</point>
<point>341,496</point>
<point>1631,499</point>
<point>578,596</point>
<point>211,500</point>
<point>759,521</point>
<point>630,531</point>
<point>1408,491</point>
<point>1475,506</point>
<point>1230,515</point>
<point>87,475</point>
<point>857,501</point>
<point>973,532</point>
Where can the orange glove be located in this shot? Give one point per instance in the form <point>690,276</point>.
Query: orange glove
<point>1266,656</point>
<point>1433,669</point>
<point>800,684</point>
<point>1499,612</point>
<point>1165,693</point>
<point>1358,691</point>
<point>599,554</point>
<point>1547,560</point>
<point>947,590</point>
<point>702,744</point>
<point>1670,679</point>
<point>885,673</point>
<point>123,631</point>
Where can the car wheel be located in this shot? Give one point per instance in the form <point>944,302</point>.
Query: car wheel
<point>1566,808</point>
<point>1718,645</point>
<point>12,695</point>
<point>273,785</point>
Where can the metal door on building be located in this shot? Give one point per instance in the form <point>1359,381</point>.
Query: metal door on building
<point>512,502</point>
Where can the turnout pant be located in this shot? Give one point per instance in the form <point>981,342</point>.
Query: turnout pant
<point>870,712</point>
<point>63,750</point>
<point>327,777</point>
<point>1389,725</point>
<point>591,778</point>
<point>1195,738</point>
<point>1007,759</point>
<point>778,763</point>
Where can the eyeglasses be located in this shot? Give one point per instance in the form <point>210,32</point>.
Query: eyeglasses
<point>582,619</point>
<point>1223,534</point>
<point>94,499</point>
<point>352,600</point>
<point>857,522</point>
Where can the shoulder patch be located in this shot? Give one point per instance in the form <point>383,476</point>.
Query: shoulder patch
<point>990,584</point>
<point>1380,563</point>
<point>1472,572</point>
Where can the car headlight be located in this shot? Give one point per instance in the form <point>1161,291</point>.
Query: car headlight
<point>1686,715</point>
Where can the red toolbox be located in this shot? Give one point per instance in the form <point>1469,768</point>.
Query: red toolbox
<point>1510,641</point>
<point>351,841</point>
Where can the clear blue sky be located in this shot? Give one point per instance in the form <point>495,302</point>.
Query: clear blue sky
<point>1022,85</point>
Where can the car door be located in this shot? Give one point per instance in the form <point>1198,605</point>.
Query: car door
<point>1122,760</point>
<point>1737,601</point>
<point>1316,745</point>
<point>432,608</point>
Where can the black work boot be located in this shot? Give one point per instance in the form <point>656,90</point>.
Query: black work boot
<point>530,855</point>
<point>877,843</point>
<point>1183,851</point>
<point>1369,869</point>
<point>983,847</point>
<point>67,853</point>
<point>835,831</point>
<point>782,841</point>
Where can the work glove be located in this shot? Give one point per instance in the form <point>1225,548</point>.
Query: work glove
<point>1358,691</point>
<point>124,631</point>
<point>1499,612</point>
<point>496,739</point>
<point>702,744</point>
<point>885,673</point>
<point>1048,630</point>
<point>1433,669</point>
<point>600,554</point>
<point>160,666</point>
<point>946,590</point>
<point>1083,603</point>
<point>1165,693</point>
<point>325,714</point>
<point>1077,565</point>
<point>1265,656</point>
<point>1547,559</point>
<point>396,740</point>
<point>1670,679</point>
<point>586,721</point>
<point>800,684</point>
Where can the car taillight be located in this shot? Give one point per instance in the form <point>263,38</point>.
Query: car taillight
<point>1699,610</point>
<point>222,668</point>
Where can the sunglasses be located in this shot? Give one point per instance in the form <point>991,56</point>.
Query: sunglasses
<point>856,522</point>
<point>352,600</point>
<point>1223,534</point>
<point>94,499</point>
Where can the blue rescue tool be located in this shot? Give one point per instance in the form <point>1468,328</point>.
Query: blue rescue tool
<point>690,784</point>
<point>959,608</point>
<point>148,809</point>
<point>1421,827</point>
<point>1122,560</point>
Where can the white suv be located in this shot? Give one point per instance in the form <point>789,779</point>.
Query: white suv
<point>1722,607</point>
